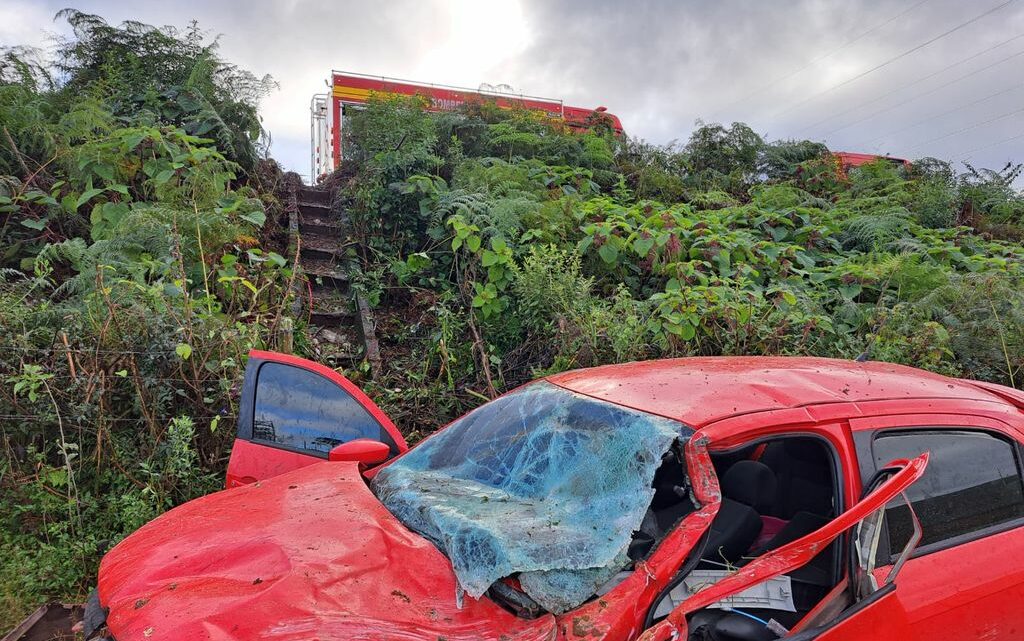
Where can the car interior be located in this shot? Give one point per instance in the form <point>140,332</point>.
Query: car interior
<point>773,493</point>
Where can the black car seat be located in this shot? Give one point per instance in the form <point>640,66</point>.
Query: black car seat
<point>748,490</point>
<point>670,504</point>
<point>803,470</point>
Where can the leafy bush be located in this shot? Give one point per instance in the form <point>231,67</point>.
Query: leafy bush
<point>132,285</point>
<point>728,245</point>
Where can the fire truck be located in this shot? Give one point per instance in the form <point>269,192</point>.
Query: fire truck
<point>351,91</point>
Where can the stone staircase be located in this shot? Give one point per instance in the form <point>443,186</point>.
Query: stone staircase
<point>340,322</point>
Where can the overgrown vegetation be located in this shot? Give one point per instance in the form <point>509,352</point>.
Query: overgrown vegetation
<point>504,248</point>
<point>137,271</point>
<point>142,257</point>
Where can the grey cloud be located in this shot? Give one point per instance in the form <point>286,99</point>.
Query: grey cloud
<point>658,65</point>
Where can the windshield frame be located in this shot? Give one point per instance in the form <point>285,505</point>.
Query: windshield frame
<point>544,483</point>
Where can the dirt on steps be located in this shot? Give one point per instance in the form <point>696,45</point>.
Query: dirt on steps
<point>341,328</point>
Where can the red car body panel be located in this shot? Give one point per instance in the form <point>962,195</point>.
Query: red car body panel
<point>699,391</point>
<point>311,553</point>
<point>972,591</point>
<point>307,555</point>
<point>251,462</point>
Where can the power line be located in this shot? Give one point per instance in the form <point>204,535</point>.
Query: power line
<point>923,79</point>
<point>897,57</point>
<point>823,56</point>
<point>967,154</point>
<point>922,95</point>
<point>967,128</point>
<point>946,113</point>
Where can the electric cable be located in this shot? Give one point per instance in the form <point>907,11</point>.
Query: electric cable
<point>967,128</point>
<point>967,154</point>
<point>820,58</point>
<point>946,113</point>
<point>906,86</point>
<point>897,57</point>
<point>922,95</point>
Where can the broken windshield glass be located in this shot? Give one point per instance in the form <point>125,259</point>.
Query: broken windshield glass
<point>542,482</point>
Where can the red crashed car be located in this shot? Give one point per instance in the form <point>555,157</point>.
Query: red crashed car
<point>704,498</point>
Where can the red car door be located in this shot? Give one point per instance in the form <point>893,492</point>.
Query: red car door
<point>966,578</point>
<point>870,613</point>
<point>293,412</point>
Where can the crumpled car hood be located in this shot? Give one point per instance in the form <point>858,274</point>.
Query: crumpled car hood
<point>306,555</point>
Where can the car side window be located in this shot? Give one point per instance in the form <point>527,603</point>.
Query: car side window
<point>973,482</point>
<point>302,410</point>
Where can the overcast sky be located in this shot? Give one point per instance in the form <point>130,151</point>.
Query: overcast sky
<point>874,76</point>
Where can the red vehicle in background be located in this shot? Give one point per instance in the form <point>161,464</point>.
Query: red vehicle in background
<point>793,498</point>
<point>352,91</point>
<point>848,160</point>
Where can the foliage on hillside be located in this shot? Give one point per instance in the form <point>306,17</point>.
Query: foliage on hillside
<point>136,272</point>
<point>520,249</point>
<point>141,258</point>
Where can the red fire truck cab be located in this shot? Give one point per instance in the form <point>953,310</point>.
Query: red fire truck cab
<point>352,91</point>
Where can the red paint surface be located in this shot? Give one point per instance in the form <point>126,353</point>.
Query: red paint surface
<point>360,450</point>
<point>251,462</point>
<point>306,555</point>
<point>332,563</point>
<point>699,391</point>
<point>849,159</point>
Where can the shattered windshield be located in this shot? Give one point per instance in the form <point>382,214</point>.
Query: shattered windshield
<point>542,482</point>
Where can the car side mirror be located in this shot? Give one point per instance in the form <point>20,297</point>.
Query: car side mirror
<point>360,450</point>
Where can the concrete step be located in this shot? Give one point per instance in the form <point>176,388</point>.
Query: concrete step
<point>314,196</point>
<point>332,303</point>
<point>322,222</point>
<point>334,344</point>
<point>333,319</point>
<point>318,269</point>
<point>322,248</point>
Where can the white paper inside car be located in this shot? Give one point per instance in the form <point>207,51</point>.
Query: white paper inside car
<point>775,593</point>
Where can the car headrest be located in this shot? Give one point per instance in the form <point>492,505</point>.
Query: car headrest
<point>804,449</point>
<point>750,483</point>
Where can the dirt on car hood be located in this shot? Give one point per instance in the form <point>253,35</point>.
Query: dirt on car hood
<point>307,555</point>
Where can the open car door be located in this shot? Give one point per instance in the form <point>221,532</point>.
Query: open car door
<point>861,606</point>
<point>295,412</point>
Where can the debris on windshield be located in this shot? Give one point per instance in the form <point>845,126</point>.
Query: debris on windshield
<point>543,483</point>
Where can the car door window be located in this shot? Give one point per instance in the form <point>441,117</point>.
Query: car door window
<point>972,484</point>
<point>301,410</point>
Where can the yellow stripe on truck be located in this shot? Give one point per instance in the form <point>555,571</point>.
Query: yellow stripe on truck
<point>351,93</point>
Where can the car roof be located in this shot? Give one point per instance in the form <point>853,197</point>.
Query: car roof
<point>699,391</point>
